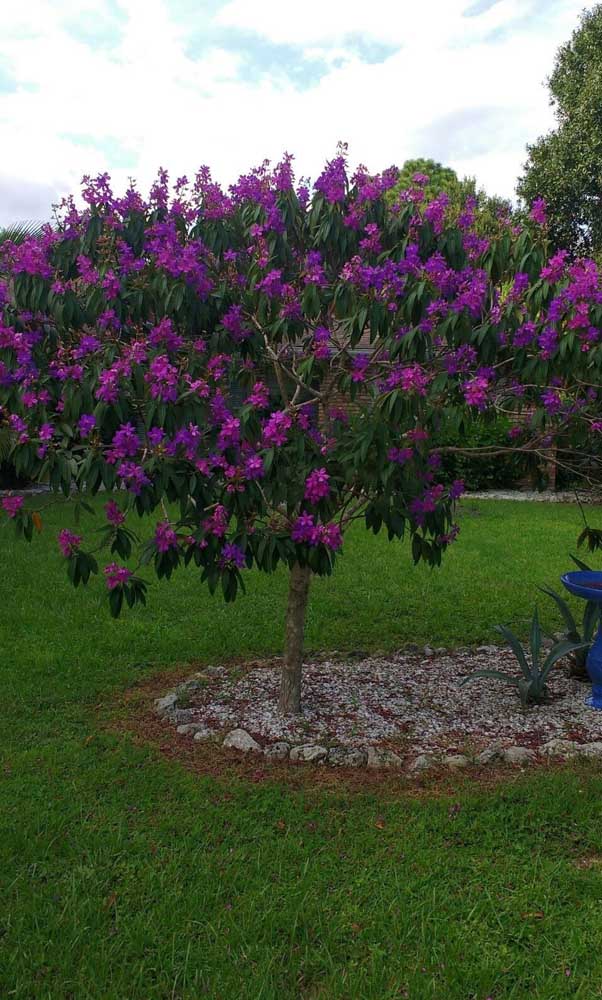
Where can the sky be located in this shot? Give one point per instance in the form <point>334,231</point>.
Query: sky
<point>128,86</point>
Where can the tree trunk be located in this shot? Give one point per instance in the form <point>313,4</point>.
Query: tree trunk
<point>290,682</point>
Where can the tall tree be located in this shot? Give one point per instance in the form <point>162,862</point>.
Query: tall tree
<point>258,370</point>
<point>565,166</point>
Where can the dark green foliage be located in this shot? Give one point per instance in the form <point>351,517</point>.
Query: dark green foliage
<point>565,166</point>
<point>499,471</point>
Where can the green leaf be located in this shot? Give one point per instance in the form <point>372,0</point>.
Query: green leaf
<point>516,648</point>
<point>565,611</point>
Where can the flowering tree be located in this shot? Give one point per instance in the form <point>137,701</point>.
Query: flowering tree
<point>255,370</point>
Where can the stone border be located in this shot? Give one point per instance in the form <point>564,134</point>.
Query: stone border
<point>168,708</point>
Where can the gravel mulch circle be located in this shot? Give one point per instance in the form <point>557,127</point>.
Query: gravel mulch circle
<point>407,710</point>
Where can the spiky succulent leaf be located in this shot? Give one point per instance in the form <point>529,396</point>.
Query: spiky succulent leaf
<point>516,648</point>
<point>561,649</point>
<point>565,611</point>
<point>535,643</point>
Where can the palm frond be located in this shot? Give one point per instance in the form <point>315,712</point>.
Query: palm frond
<point>18,232</point>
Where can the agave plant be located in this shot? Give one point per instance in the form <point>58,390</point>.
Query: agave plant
<point>582,634</point>
<point>531,683</point>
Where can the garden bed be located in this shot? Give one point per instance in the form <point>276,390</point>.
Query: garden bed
<point>408,710</point>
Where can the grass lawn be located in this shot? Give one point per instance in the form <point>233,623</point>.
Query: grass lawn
<point>125,876</point>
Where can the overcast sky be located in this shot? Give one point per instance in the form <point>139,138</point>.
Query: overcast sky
<point>131,85</point>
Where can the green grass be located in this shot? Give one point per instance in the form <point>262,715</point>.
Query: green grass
<point>127,877</point>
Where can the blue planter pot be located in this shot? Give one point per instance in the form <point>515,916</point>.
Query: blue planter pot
<point>588,586</point>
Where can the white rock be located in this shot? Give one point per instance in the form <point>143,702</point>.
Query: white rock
<point>518,755</point>
<point>182,715</point>
<point>422,763</point>
<point>347,757</point>
<point>167,704</point>
<point>187,687</point>
<point>491,754</point>
<point>457,760</point>
<point>560,748</point>
<point>309,752</point>
<point>591,750</point>
<point>382,758</point>
<point>277,751</point>
<point>239,739</point>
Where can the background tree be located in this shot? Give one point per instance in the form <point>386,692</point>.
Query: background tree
<point>491,213</point>
<point>259,369</point>
<point>565,166</point>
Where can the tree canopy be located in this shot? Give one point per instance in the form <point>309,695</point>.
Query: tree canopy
<point>257,369</point>
<point>565,166</point>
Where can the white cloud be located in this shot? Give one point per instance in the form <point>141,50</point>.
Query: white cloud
<point>146,95</point>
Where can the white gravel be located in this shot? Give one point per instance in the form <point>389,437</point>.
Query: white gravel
<point>406,702</point>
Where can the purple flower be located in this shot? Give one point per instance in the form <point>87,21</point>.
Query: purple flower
<point>359,367</point>
<point>163,379</point>
<point>317,486</point>
<point>400,455</point>
<point>456,489</point>
<point>217,523</point>
<point>164,333</point>
<point>68,542</point>
<point>165,537</point>
<point>254,467</point>
<point>331,536</point>
<point>232,557</point>
<point>116,575</point>
<point>276,429</point>
<point>554,270</point>
<point>125,444</point>
<point>260,396</point>
<point>114,514</point>
<point>538,211</point>
<point>332,182</point>
<point>87,345</point>
<point>272,284</point>
<point>475,391</point>
<point>134,476</point>
<point>12,505</point>
<point>229,435</point>
<point>551,400</point>
<point>303,529</point>
<point>435,211</point>
<point>232,321</point>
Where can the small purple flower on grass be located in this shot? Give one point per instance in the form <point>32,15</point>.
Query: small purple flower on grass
<point>12,505</point>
